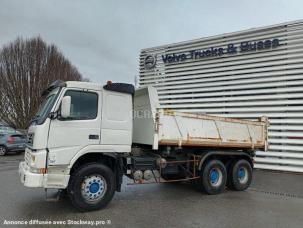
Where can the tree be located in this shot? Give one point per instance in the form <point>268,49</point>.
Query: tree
<point>27,67</point>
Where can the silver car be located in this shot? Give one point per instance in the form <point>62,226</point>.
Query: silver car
<point>11,140</point>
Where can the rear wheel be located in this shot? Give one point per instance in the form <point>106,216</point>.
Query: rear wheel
<point>240,175</point>
<point>3,150</point>
<point>213,177</point>
<point>91,187</point>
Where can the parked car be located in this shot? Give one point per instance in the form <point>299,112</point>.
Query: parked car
<point>11,140</point>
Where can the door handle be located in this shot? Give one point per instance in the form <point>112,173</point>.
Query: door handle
<point>93,137</point>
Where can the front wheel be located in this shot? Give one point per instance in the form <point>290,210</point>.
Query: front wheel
<point>213,177</point>
<point>3,150</point>
<point>91,187</point>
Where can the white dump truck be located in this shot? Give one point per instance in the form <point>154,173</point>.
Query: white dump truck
<point>86,137</point>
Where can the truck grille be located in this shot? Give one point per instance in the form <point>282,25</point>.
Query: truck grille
<point>30,138</point>
<point>27,158</point>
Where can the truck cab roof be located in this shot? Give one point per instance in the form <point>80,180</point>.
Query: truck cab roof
<point>83,85</point>
<point>116,87</point>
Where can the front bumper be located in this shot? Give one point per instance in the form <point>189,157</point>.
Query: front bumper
<point>28,178</point>
<point>36,180</point>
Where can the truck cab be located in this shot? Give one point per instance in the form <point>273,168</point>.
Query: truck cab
<point>95,119</point>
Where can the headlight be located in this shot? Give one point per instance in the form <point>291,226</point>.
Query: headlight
<point>33,159</point>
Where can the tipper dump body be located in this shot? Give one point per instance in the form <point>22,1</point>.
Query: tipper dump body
<point>156,126</point>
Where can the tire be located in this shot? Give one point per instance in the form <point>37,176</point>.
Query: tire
<point>229,166</point>
<point>240,175</point>
<point>3,150</point>
<point>91,187</point>
<point>213,177</point>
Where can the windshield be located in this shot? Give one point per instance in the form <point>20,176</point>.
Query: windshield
<point>46,106</point>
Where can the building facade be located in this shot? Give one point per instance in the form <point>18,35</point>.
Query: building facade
<point>246,74</point>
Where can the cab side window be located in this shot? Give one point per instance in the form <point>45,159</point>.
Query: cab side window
<point>84,105</point>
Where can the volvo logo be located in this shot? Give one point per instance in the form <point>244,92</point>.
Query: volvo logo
<point>150,61</point>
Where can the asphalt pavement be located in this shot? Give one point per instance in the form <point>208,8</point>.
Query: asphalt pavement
<point>274,200</point>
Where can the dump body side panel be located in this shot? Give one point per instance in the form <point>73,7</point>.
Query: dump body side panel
<point>186,129</point>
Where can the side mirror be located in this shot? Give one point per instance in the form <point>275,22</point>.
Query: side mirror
<point>65,107</point>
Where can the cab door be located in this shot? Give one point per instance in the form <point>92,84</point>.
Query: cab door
<point>82,128</point>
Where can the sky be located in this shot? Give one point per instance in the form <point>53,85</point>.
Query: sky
<point>103,39</point>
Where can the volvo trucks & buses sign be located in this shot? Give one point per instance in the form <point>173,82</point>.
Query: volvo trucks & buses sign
<point>246,46</point>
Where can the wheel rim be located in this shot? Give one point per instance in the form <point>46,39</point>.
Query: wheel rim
<point>215,177</point>
<point>242,175</point>
<point>93,188</point>
<point>2,151</point>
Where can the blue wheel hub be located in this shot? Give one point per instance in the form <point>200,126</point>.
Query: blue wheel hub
<point>241,173</point>
<point>94,187</point>
<point>214,176</point>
